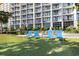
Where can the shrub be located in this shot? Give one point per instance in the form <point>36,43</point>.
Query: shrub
<point>42,29</point>
<point>30,28</point>
<point>21,30</point>
<point>57,28</point>
<point>71,29</point>
<point>46,28</point>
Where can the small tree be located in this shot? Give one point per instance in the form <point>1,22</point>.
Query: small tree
<point>23,29</point>
<point>4,16</point>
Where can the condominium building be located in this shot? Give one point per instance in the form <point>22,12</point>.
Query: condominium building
<point>44,15</point>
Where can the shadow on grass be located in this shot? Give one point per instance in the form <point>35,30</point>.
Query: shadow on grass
<point>40,48</point>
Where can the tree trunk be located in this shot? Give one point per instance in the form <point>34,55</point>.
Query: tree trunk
<point>0,27</point>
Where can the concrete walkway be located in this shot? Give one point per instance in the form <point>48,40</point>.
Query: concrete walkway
<point>65,35</point>
<point>71,35</point>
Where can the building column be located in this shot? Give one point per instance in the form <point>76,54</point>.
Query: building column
<point>41,17</point>
<point>9,25</point>
<point>62,22</point>
<point>51,22</point>
<point>26,16</point>
<point>33,15</point>
<point>20,15</point>
<point>75,17</point>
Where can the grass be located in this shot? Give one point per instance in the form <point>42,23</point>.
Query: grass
<point>12,45</point>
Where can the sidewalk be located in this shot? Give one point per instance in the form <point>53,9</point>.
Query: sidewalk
<point>65,35</point>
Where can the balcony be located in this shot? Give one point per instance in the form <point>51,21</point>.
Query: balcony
<point>37,4</point>
<point>23,7</point>
<point>37,25</point>
<point>29,12</point>
<point>46,14</point>
<point>38,21</point>
<point>57,19</point>
<point>29,16</point>
<point>67,4</point>
<point>37,10</point>
<point>17,9</point>
<point>46,8</point>
<point>55,6</point>
<point>67,13</point>
<point>45,4</point>
<point>29,21</point>
<point>46,20</point>
<point>23,17</point>
<point>77,11</point>
<point>67,19</point>
<point>56,13</point>
<point>23,13</point>
<point>23,23</point>
<point>17,14</point>
<point>29,6</point>
<point>46,25</point>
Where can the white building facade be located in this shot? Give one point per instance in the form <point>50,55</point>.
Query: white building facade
<point>38,15</point>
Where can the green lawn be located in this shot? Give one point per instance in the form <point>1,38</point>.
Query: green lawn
<point>12,45</point>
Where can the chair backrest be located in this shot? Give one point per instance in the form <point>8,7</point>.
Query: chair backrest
<point>50,34</point>
<point>55,34</point>
<point>59,33</point>
<point>30,34</point>
<point>36,34</point>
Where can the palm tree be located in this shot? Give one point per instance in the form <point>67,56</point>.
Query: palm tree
<point>4,16</point>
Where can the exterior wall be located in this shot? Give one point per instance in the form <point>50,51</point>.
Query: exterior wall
<point>43,15</point>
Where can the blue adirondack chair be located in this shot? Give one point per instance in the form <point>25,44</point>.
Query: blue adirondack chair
<point>51,34</point>
<point>59,34</point>
<point>36,34</point>
<point>30,34</point>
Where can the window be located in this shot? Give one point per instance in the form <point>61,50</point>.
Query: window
<point>37,4</point>
<point>69,10</point>
<point>46,7</point>
<point>24,16</point>
<point>29,5</point>
<point>23,11</point>
<point>56,12</point>
<point>29,16</point>
<point>78,16</point>
<point>29,10</point>
<point>17,17</point>
<point>37,9</point>
<point>23,6</point>
<point>55,6</point>
<point>70,17</point>
<point>57,18</point>
<point>37,14</point>
<point>46,19</point>
<point>67,4</point>
<point>38,20</point>
<point>16,8</point>
<point>46,13</point>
